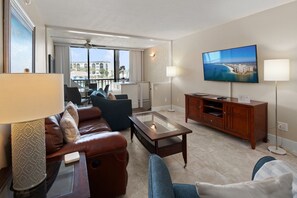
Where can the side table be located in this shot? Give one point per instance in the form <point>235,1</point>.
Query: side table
<point>62,181</point>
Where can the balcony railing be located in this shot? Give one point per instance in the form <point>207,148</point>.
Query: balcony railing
<point>100,82</point>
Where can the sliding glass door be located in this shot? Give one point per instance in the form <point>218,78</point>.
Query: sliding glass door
<point>99,66</point>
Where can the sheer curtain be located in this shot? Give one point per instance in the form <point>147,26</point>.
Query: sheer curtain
<point>135,73</point>
<point>62,61</point>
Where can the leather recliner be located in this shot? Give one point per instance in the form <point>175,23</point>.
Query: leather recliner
<point>106,153</point>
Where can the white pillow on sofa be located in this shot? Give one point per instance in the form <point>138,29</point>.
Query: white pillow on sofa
<point>69,128</point>
<point>274,187</point>
<point>72,109</point>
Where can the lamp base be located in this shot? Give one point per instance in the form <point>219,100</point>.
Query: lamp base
<point>28,154</point>
<point>277,150</point>
<point>171,110</point>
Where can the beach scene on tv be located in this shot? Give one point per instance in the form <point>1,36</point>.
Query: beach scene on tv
<point>231,65</point>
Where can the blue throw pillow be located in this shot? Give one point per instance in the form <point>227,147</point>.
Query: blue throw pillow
<point>100,93</point>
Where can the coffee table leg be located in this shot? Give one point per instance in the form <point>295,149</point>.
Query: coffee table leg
<point>156,148</point>
<point>132,130</point>
<point>184,145</point>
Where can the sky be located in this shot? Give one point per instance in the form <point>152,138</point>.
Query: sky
<point>80,55</point>
<point>21,46</point>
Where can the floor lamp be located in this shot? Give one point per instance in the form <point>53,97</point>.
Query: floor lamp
<point>171,72</point>
<point>276,70</point>
<point>26,99</point>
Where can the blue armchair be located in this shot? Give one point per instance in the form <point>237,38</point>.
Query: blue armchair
<point>161,186</point>
<point>115,112</point>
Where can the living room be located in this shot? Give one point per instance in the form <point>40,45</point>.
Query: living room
<point>274,33</point>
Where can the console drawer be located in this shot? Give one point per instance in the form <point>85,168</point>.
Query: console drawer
<point>213,120</point>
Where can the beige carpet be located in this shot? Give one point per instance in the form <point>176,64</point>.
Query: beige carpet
<point>213,157</point>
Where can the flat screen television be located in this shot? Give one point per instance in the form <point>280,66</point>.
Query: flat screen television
<point>231,65</point>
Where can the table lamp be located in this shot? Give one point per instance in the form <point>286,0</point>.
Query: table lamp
<point>276,70</point>
<point>26,99</point>
<point>171,72</point>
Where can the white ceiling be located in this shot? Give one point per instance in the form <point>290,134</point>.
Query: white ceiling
<point>157,19</point>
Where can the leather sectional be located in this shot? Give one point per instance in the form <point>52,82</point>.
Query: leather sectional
<point>106,153</point>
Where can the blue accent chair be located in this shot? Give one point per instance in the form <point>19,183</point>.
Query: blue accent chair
<point>161,186</point>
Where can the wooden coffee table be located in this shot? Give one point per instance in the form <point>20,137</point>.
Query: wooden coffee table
<point>158,134</point>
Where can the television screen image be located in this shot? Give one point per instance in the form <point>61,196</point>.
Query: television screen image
<point>231,65</point>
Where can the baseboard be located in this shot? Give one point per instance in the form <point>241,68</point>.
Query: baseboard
<point>166,107</point>
<point>289,145</point>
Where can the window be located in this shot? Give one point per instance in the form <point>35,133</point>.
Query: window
<point>19,39</point>
<point>124,64</point>
<point>101,66</point>
<point>78,65</point>
<point>105,59</point>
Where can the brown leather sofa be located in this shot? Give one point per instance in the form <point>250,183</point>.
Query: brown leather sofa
<point>106,152</point>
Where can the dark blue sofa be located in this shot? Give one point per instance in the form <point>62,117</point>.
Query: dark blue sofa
<point>161,186</point>
<point>115,112</point>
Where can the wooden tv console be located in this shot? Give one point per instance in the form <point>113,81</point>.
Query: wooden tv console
<point>244,120</point>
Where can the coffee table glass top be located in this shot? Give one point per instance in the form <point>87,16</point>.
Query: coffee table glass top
<point>156,122</point>
<point>156,126</point>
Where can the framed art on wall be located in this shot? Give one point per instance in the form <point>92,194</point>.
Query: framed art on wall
<point>19,36</point>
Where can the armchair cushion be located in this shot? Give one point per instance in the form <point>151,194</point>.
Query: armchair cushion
<point>115,112</point>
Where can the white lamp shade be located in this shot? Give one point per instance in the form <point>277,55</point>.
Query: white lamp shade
<point>170,71</point>
<point>277,70</point>
<point>27,97</point>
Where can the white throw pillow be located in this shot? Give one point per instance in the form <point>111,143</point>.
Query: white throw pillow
<point>72,109</point>
<point>274,187</point>
<point>111,97</point>
<point>69,128</point>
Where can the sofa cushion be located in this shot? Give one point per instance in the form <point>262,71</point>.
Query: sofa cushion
<point>273,187</point>
<point>53,134</point>
<point>91,126</point>
<point>69,128</point>
<point>72,110</point>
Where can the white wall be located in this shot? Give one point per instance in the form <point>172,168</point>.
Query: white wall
<point>275,33</point>
<point>155,72</point>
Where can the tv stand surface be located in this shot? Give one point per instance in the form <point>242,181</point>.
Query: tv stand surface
<point>244,120</point>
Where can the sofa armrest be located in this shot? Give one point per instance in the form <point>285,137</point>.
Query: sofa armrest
<point>260,163</point>
<point>159,180</point>
<point>88,113</point>
<point>94,144</point>
<point>121,96</point>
